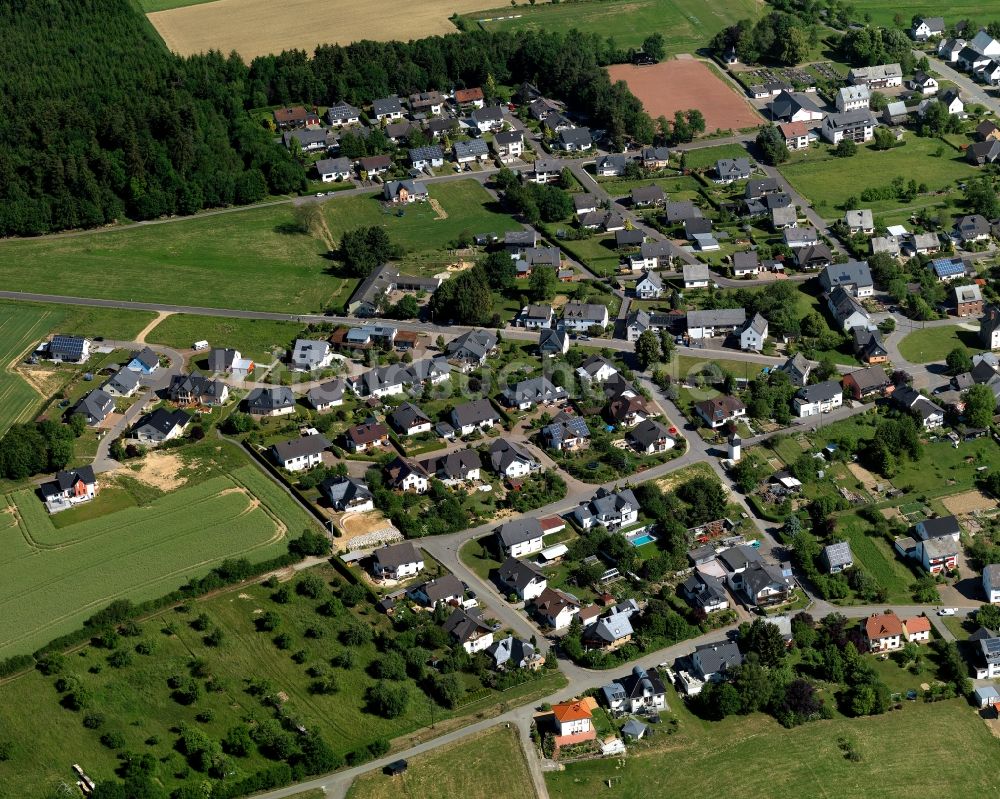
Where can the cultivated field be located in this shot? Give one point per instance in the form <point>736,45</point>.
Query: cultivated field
<point>258,27</point>
<point>455,771</point>
<point>703,757</point>
<point>683,84</point>
<point>52,578</point>
<point>23,326</point>
<point>686,25</point>
<point>968,502</point>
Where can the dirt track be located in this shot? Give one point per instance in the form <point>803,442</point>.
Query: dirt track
<point>259,27</point>
<point>685,83</point>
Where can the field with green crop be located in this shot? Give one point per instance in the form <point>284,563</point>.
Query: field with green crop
<point>149,6</point>
<point>254,338</point>
<point>828,181</point>
<point>241,670</point>
<point>933,344</point>
<point>52,578</point>
<point>705,758</point>
<point>253,259</point>
<point>686,25</point>
<point>456,770</point>
<point>883,12</point>
<point>24,325</point>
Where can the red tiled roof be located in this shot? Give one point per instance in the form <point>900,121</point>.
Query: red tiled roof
<point>571,711</point>
<point>883,625</point>
<point>917,624</point>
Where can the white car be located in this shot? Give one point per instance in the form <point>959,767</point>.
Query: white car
<point>946,611</point>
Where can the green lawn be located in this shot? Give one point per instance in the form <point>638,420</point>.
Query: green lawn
<point>707,156</point>
<point>883,12</point>
<point>680,188</point>
<point>687,25</point>
<point>705,758</point>
<point>877,558</point>
<point>945,469</point>
<point>24,325</point>
<point>254,338</point>
<point>828,181</point>
<point>934,343</point>
<point>136,701</point>
<point>456,771</point>
<point>53,577</point>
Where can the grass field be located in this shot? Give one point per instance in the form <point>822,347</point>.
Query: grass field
<point>136,700</point>
<point>687,25</point>
<point>253,259</point>
<point>52,578</point>
<point>704,758</point>
<point>877,559</point>
<point>258,27</point>
<point>24,325</point>
<point>883,12</point>
<point>149,6</point>
<point>707,156</point>
<point>254,338</point>
<point>828,181</point>
<point>456,771</point>
<point>934,343</point>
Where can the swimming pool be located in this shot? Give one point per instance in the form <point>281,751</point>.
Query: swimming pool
<point>643,539</point>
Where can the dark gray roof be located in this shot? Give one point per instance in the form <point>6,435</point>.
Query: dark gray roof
<point>473,345</point>
<point>408,415</point>
<point>518,574</point>
<point>66,479</point>
<point>838,554</point>
<point>270,398</point>
<point>565,426</point>
<point>342,490</point>
<point>332,391</point>
<point>163,421</point>
<point>820,392</point>
<point>519,531</point>
<point>453,466</point>
<point>397,555</point>
<point>504,452</point>
<point>299,447</point>
<point>474,412</point>
<point>648,432</point>
<point>719,656</point>
<point>386,105</point>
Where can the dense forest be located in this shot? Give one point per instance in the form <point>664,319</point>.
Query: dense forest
<point>99,122</point>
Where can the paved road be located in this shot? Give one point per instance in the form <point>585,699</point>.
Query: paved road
<point>973,91</point>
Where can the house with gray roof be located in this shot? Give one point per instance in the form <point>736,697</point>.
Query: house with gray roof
<point>347,494</point>
<point>159,426</point>
<point>475,415</point>
<point>609,632</point>
<point>472,347</point>
<point>818,398</point>
<point>300,453</point>
<point>837,557</point>
<point>521,578</point>
<point>512,653</point>
<point>387,108</point>
<point>444,590</point>
<point>552,341</point>
<point>429,157</point>
<point>333,169</point>
<point>270,401</point>
<point>610,509</point>
<point>566,432</point>
<point>512,460</point>
<point>409,420</point>
<point>641,691</point>
<point>650,437</point>
<point>533,391</point>
<point>728,170</point>
<point>797,368</point>
<point>520,537</point>
<point>611,166</point>
<point>854,276</point>
<point>123,383</point>
<point>715,322</point>
<point>581,316</point>
<point>397,561</point>
<point>343,114</point>
<point>95,407</point>
<point>649,286</point>
<point>326,395</point>
<point>473,150</point>
<point>710,662</point>
<point>468,628</point>
<point>309,354</point>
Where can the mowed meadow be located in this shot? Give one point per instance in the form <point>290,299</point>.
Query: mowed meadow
<point>24,325</point>
<point>255,259</point>
<point>133,541</point>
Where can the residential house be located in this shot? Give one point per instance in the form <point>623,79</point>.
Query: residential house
<point>991,583</point>
<point>924,243</point>
<point>347,494</point>
<point>67,349</point>
<point>609,632</point>
<point>931,416</point>
<point>989,327</point>
<point>983,152</point>
<point>387,108</point>
<point>649,286</point>
<point>556,608</point>
<point>609,509</point>
<point>796,237</point>
<point>641,691</point>
<point>711,662</point>
<point>326,395</point>
<point>970,59</point>
<point>973,228</point>
<point>333,169</point>
<point>424,103</point>
<point>887,244</point>
<point>852,98</point>
<point>728,170</point>
<point>865,384</point>
<point>474,415</point>
<point>466,152</point>
<point>797,135</point>
<point>696,276</point>
<point>315,140</point>
<point>159,426</point>
<point>511,652</point>
<point>837,557</point>
<point>581,316</point>
<point>575,140</point>
<point>753,334</point>
<point>797,368</point>
<point>948,49</point>
<point>719,411</point>
<point>655,158</point>
<point>926,27</point>
<point>924,83</point>
<point>229,362</point>
<point>881,76</point>
<point>987,661</point>
<point>535,390</point>
<point>508,145</point>
<point>520,537</point>
<point>596,369</point>
<point>648,196</point>
<point>883,632</point>
<point>300,453</point>
<point>145,361</point>
<point>405,191</point>
<point>818,398</point>
<point>968,300</point>
<point>566,432</point>
<point>895,113</point>
<point>714,322</point>
<point>408,476</point>
<point>628,409</point>
<point>868,345</point>
<point>795,108</point>
<point>196,389</point>
<point>373,166</point>
<point>487,119</point>
<point>746,264</point>
<point>860,221</point>
<point>429,157</point>
<point>473,347</point>
<point>363,437</point>
<point>444,590</point>
<point>123,383</point>
<point>270,401</point>
<point>573,719</point>
<point>625,239</point>
<point>813,257</point>
<point>469,99</point>
<point>469,629</point>
<point>858,126</point>
<point>454,468</point>
<point>784,217</point>
<point>294,117</point>
<point>611,166</point>
<point>917,629</point>
<point>705,592</point>
<point>409,420</point>
<point>311,354</point>
<point>552,342</point>
<point>521,578</point>
<point>650,437</point>
<point>984,43</point>
<point>343,114</point>
<point>544,170</point>
<point>681,211</point>
<point>953,102</point>
<point>400,132</point>
<point>846,310</point>
<point>512,460</point>
<point>95,407</point>
<point>535,317</point>
<point>70,487</point>
<point>761,585</point>
<point>854,276</point>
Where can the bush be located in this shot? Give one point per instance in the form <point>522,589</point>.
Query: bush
<point>93,721</point>
<point>267,622</point>
<point>113,740</point>
<point>283,641</point>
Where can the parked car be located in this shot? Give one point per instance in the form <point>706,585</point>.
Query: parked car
<point>946,611</point>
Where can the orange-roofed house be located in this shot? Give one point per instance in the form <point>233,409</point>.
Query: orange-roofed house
<point>883,632</point>
<point>917,629</point>
<point>797,135</point>
<point>573,718</point>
